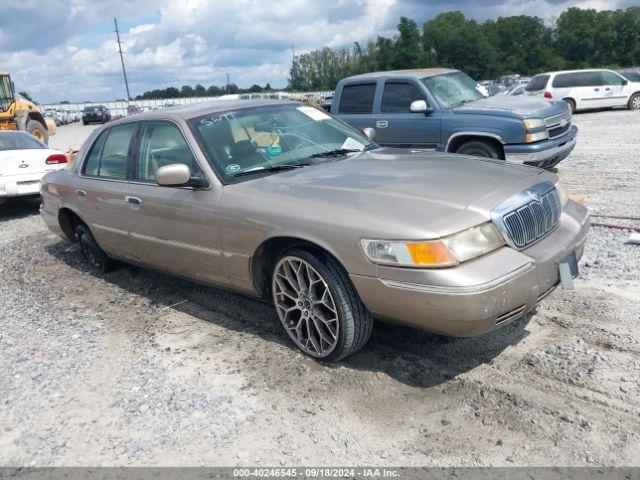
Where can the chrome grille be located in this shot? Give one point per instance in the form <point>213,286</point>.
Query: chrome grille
<point>533,220</point>
<point>558,125</point>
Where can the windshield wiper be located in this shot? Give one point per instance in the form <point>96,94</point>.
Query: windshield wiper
<point>273,168</point>
<point>334,153</point>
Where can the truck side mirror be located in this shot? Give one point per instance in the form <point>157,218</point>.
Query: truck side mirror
<point>420,106</point>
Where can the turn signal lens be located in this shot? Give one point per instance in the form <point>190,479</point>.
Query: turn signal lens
<point>536,137</point>
<point>430,253</point>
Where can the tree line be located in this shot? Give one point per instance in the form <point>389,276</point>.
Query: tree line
<point>200,91</point>
<point>579,38</point>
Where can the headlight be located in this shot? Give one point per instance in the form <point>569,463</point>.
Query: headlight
<point>563,193</point>
<point>533,123</point>
<point>443,252</point>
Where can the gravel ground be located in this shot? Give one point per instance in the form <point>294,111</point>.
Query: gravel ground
<point>137,368</point>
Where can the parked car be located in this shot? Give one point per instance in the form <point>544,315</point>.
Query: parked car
<point>280,201</point>
<point>516,90</point>
<point>442,109</point>
<point>95,114</point>
<point>23,162</point>
<point>133,110</point>
<point>587,89</point>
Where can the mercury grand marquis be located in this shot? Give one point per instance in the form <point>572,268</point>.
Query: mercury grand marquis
<point>278,200</point>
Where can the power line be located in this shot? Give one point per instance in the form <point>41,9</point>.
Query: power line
<point>124,71</point>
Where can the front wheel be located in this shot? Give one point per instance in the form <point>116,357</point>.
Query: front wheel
<point>479,149</point>
<point>319,306</point>
<point>38,130</point>
<point>634,102</point>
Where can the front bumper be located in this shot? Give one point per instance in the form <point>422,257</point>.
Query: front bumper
<point>545,154</point>
<point>476,296</point>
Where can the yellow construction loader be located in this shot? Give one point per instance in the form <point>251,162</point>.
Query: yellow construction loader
<point>17,113</point>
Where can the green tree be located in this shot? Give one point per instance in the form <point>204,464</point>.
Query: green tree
<point>408,51</point>
<point>26,96</point>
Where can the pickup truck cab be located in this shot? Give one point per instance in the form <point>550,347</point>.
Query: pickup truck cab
<point>442,109</point>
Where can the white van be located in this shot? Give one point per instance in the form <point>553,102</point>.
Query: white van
<point>584,89</point>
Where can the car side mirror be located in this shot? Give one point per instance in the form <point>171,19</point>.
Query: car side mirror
<point>624,81</point>
<point>420,106</point>
<point>179,175</point>
<point>370,133</point>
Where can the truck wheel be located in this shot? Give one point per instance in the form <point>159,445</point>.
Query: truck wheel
<point>92,253</point>
<point>634,102</point>
<point>38,130</point>
<point>318,306</point>
<point>479,149</point>
<point>572,104</point>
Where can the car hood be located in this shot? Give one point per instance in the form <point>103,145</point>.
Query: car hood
<point>395,187</point>
<point>513,106</point>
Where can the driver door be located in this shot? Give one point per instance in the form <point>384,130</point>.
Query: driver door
<point>174,229</point>
<point>401,126</point>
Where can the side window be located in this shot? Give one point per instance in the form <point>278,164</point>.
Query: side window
<point>357,98</point>
<point>563,80</point>
<point>609,78</point>
<point>92,163</point>
<point>397,97</point>
<point>539,82</point>
<point>587,79</point>
<point>108,156</point>
<point>162,143</point>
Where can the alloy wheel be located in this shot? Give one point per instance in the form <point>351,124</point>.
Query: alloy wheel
<point>305,306</point>
<point>635,103</point>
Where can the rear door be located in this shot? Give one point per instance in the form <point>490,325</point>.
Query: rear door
<point>397,125</point>
<point>172,228</point>
<point>100,189</point>
<point>356,105</point>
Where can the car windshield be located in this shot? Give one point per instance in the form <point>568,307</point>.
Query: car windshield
<point>265,139</point>
<point>631,76</point>
<point>18,141</point>
<point>453,89</point>
<point>91,109</point>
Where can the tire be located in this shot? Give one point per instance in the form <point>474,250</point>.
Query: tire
<point>35,128</point>
<point>634,102</point>
<point>93,254</point>
<point>478,148</point>
<point>83,122</point>
<point>572,104</point>
<point>347,324</point>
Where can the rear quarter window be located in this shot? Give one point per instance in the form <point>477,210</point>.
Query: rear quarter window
<point>538,82</point>
<point>357,98</point>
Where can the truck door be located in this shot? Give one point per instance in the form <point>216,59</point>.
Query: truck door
<point>397,125</point>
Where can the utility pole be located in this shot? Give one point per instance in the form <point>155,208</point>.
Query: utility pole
<point>124,71</point>
<point>227,83</point>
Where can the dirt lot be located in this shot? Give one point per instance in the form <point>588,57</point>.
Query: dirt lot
<point>136,368</point>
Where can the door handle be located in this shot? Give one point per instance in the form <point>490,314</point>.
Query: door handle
<point>596,89</point>
<point>607,89</point>
<point>133,200</point>
<point>382,124</point>
<point>81,193</point>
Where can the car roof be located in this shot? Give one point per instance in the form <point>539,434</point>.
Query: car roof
<point>577,71</point>
<point>185,112</point>
<point>414,73</point>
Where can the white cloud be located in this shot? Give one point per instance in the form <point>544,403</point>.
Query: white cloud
<point>178,42</point>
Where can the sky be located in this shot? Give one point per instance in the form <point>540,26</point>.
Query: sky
<point>66,49</point>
